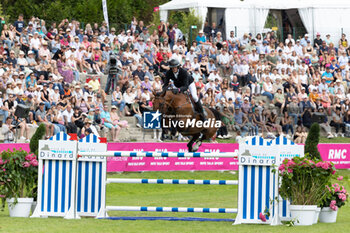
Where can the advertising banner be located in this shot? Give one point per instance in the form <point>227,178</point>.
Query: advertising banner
<point>115,164</point>
<point>339,154</point>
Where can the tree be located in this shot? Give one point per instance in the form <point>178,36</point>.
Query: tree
<point>312,141</point>
<point>34,141</point>
<point>120,12</point>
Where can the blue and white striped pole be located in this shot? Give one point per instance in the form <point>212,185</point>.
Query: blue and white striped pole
<point>171,209</point>
<point>160,154</point>
<point>171,181</point>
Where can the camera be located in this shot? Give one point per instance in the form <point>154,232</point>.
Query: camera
<point>113,65</point>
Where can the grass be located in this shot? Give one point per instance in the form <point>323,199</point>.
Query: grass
<point>168,195</point>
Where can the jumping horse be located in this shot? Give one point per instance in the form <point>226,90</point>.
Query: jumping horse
<point>177,108</point>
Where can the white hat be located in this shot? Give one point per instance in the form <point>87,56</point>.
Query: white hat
<point>56,88</point>
<point>30,52</point>
<point>21,52</point>
<point>246,98</point>
<point>306,35</point>
<point>201,31</point>
<point>15,73</point>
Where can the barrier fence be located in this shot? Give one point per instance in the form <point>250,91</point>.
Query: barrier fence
<point>257,184</point>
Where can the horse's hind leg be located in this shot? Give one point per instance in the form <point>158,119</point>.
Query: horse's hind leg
<point>191,142</point>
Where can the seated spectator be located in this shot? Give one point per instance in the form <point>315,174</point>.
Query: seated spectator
<point>268,89</point>
<point>338,123</point>
<point>294,109</point>
<point>325,125</point>
<point>279,99</point>
<point>118,101</point>
<point>253,128</point>
<point>271,123</point>
<point>8,130</point>
<point>86,129</point>
<point>300,135</point>
<point>287,124</point>
<point>306,117</point>
<point>40,118</point>
<point>240,121</point>
<point>135,111</point>
<point>107,121</point>
<point>67,118</point>
<point>116,119</point>
<point>347,121</point>
<point>3,110</point>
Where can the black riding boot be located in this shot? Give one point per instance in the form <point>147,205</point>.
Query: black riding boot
<point>200,110</point>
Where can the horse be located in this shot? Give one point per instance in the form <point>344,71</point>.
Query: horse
<point>178,112</point>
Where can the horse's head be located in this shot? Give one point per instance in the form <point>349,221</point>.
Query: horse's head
<point>163,101</point>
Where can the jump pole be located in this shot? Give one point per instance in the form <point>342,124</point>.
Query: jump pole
<point>160,154</point>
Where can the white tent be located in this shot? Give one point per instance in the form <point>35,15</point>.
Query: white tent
<point>323,16</point>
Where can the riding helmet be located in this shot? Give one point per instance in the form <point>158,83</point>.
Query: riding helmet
<point>174,63</point>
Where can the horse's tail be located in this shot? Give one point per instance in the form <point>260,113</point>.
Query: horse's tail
<point>216,114</point>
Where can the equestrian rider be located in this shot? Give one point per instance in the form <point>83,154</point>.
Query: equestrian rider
<point>183,81</point>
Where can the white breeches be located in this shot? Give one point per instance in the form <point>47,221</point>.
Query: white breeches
<point>193,91</point>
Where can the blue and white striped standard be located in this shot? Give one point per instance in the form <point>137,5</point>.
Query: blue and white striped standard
<point>171,181</point>
<point>89,188</point>
<point>171,209</point>
<point>56,177</point>
<point>56,187</point>
<point>161,154</point>
<point>91,177</point>
<point>257,191</point>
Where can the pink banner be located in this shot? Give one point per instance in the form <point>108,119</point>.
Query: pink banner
<point>339,154</point>
<point>17,146</point>
<point>170,164</point>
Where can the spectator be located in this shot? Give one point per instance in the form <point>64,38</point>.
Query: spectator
<point>325,125</point>
<point>68,120</point>
<point>240,121</point>
<point>8,130</point>
<point>287,124</point>
<point>106,118</point>
<point>40,118</point>
<point>338,123</point>
<point>300,135</point>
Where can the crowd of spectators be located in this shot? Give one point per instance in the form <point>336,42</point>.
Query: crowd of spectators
<point>259,84</point>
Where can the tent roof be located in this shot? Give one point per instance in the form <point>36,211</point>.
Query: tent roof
<point>270,4</point>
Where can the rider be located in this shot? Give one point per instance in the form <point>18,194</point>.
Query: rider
<point>183,81</point>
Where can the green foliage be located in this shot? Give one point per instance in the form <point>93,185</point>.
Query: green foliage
<point>2,14</point>
<point>304,180</point>
<point>185,20</point>
<point>18,174</point>
<point>312,141</point>
<point>34,141</point>
<point>120,12</point>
